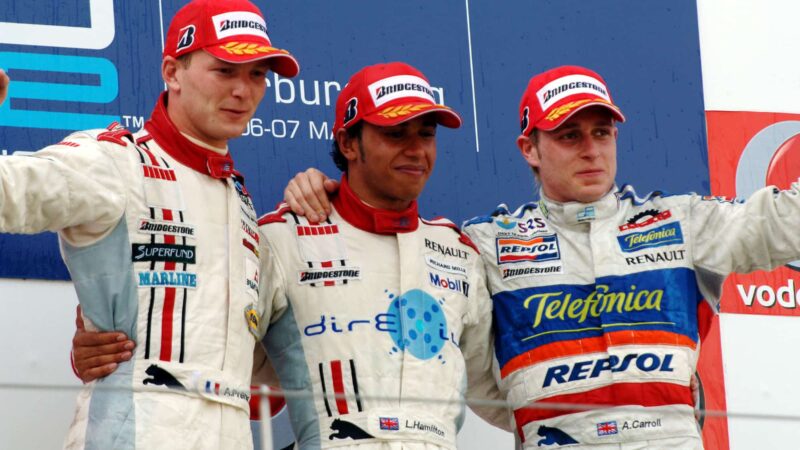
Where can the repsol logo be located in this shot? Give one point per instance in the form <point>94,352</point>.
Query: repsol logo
<point>583,370</point>
<point>183,254</point>
<point>541,248</point>
<point>558,306</point>
<point>449,284</point>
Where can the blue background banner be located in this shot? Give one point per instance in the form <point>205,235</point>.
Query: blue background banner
<point>84,63</point>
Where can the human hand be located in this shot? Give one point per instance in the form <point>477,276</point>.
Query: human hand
<point>307,194</point>
<point>4,81</point>
<point>97,354</point>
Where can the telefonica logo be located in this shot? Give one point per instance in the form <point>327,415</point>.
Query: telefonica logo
<point>560,306</point>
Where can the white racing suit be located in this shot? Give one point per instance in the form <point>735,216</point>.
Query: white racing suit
<point>382,316</point>
<point>160,238</point>
<point>596,304</point>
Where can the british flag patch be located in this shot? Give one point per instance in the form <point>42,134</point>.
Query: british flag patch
<point>390,423</point>
<point>607,428</point>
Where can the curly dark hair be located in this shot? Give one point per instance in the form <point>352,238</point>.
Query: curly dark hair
<point>354,132</point>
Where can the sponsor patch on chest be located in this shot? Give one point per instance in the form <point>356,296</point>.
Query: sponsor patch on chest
<point>150,226</point>
<point>508,273</point>
<point>328,276</point>
<point>520,228</point>
<point>667,234</point>
<point>445,266</point>
<point>449,283</point>
<point>167,279</point>
<point>182,254</point>
<point>536,249</point>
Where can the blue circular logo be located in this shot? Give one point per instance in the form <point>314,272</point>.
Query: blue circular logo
<point>423,327</point>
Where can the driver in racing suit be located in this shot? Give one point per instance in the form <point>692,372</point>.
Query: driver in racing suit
<point>160,237</point>
<point>596,289</point>
<point>378,312</point>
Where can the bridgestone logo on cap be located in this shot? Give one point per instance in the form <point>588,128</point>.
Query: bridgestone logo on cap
<point>388,89</point>
<point>570,85</point>
<point>239,22</point>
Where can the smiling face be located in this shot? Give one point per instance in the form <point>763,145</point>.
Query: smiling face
<point>387,167</point>
<point>213,100</point>
<point>578,160</point>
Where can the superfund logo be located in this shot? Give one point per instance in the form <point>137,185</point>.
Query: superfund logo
<point>542,248</point>
<point>238,23</point>
<point>570,85</point>
<point>451,284</point>
<point>388,89</point>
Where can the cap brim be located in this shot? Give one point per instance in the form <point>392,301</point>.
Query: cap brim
<point>281,62</point>
<point>546,125</point>
<point>397,114</point>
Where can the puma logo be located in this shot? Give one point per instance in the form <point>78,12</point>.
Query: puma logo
<point>161,377</point>
<point>553,436</point>
<point>345,430</point>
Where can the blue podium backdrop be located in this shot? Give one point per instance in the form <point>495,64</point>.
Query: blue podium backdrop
<point>79,64</point>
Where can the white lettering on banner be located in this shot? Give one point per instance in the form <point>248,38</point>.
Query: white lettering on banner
<point>786,296</point>
<point>97,36</point>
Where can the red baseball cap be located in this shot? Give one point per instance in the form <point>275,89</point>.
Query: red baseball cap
<point>389,94</point>
<point>230,30</point>
<point>555,95</point>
